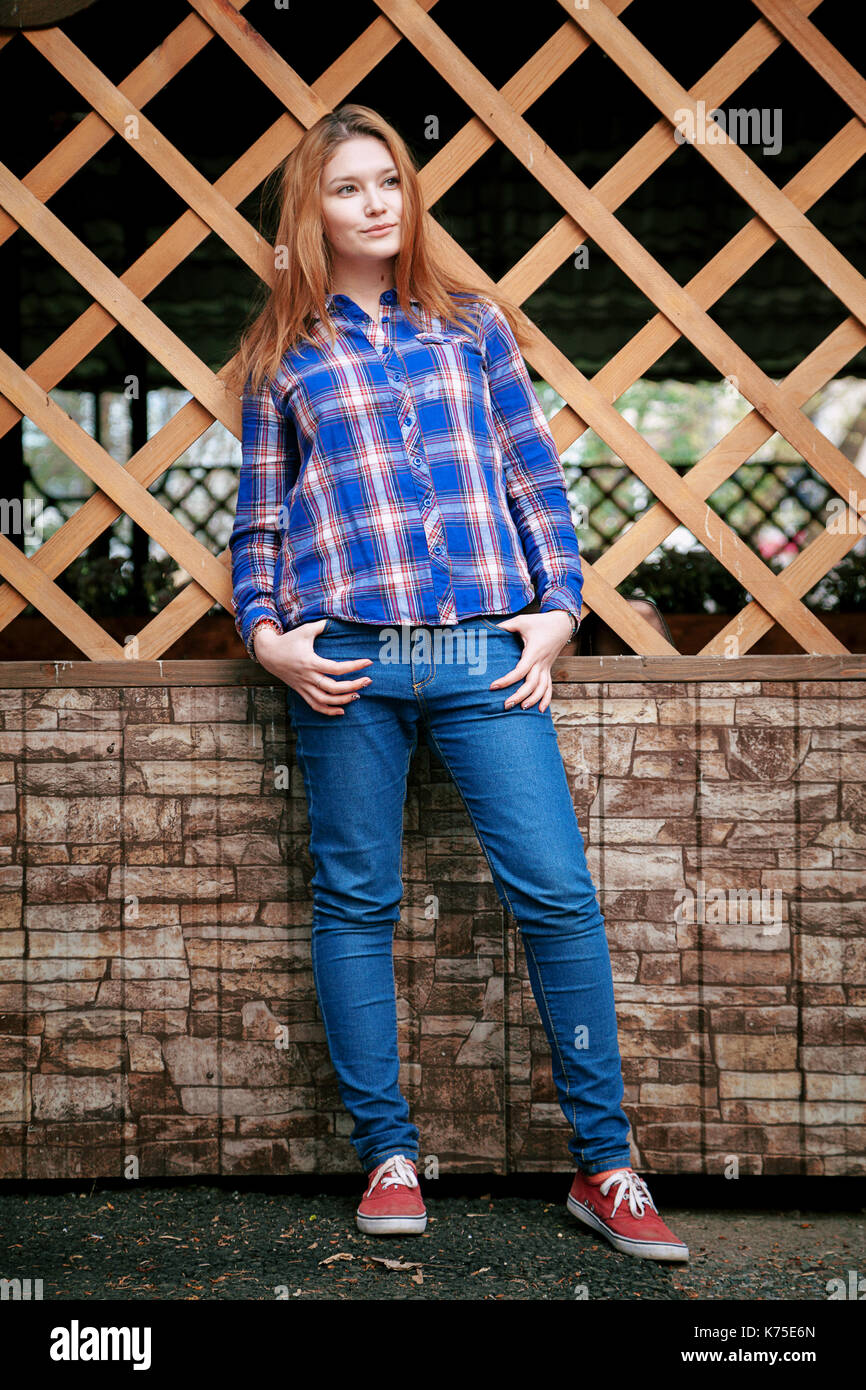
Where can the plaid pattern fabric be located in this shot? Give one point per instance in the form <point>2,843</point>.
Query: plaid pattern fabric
<point>407,475</point>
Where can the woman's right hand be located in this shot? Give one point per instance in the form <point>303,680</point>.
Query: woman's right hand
<point>292,658</point>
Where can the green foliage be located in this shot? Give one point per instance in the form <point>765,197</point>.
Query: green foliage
<point>103,586</point>
<point>686,582</point>
<point>694,582</point>
<point>844,587</point>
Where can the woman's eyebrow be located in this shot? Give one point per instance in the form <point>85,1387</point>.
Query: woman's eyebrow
<point>353,178</point>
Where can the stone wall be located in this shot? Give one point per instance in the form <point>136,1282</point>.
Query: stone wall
<point>155,921</point>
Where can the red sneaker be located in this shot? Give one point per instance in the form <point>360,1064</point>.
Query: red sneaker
<point>392,1204</point>
<point>634,1227</point>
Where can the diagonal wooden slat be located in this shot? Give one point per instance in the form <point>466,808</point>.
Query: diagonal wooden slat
<point>665,482</point>
<point>721,272</point>
<point>703,522</point>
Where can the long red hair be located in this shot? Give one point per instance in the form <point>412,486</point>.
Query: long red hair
<point>302,277</point>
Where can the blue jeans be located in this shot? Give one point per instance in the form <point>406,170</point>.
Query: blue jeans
<point>509,771</point>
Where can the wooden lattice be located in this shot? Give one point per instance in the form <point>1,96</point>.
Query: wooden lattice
<point>778,213</point>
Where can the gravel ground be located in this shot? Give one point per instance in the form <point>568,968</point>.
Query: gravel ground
<point>503,1238</point>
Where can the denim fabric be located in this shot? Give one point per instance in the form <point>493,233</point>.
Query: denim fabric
<point>509,771</point>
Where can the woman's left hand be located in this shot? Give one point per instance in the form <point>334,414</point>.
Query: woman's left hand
<point>544,635</point>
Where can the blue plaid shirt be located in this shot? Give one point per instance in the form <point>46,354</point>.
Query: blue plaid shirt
<point>404,476</point>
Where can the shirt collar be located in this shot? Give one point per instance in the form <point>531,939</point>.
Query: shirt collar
<point>341,302</point>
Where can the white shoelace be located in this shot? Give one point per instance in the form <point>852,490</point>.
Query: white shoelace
<point>629,1185</point>
<point>393,1171</point>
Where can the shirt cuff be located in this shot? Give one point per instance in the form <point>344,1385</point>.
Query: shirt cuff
<point>264,621</point>
<point>563,599</point>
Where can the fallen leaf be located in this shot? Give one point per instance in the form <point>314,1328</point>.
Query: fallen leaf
<point>395,1264</point>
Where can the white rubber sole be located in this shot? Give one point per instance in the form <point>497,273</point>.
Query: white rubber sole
<point>643,1249</point>
<point>391,1225</point>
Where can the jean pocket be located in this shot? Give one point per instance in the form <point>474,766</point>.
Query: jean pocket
<point>493,626</point>
<point>341,627</point>
<point>333,625</point>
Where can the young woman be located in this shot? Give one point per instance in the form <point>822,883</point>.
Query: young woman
<point>399,479</point>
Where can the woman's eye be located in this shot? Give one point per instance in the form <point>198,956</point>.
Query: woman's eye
<point>392,178</point>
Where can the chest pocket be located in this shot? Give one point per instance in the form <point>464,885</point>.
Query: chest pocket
<point>458,345</point>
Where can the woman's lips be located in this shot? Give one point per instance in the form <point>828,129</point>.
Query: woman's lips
<point>378,231</point>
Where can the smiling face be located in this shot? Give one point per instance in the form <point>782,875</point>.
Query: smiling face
<point>360,189</point>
